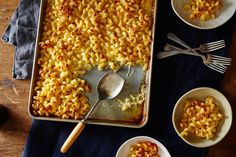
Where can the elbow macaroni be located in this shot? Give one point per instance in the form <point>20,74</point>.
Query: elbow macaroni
<point>133,101</point>
<point>200,118</point>
<point>202,9</point>
<point>80,35</point>
<point>144,149</point>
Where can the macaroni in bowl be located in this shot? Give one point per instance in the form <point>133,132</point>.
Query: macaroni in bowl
<point>200,118</point>
<point>144,149</point>
<point>202,9</point>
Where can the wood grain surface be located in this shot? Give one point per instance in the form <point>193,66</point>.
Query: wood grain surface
<point>14,96</point>
<point>13,93</point>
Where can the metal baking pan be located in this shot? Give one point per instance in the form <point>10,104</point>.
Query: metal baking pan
<point>108,112</point>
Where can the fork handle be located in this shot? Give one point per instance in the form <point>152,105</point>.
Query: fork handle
<point>165,54</point>
<point>176,39</point>
<point>169,47</point>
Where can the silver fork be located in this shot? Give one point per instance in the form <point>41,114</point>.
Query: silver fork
<point>172,50</point>
<point>217,63</point>
<point>209,47</point>
<point>215,58</point>
<point>206,60</point>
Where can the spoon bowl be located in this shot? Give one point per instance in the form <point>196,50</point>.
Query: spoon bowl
<point>110,85</point>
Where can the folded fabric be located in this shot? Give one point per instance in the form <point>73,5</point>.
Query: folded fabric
<point>172,77</point>
<point>21,32</point>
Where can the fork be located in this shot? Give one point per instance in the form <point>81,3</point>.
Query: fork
<point>215,58</point>
<point>171,50</point>
<point>204,48</point>
<point>217,63</point>
<point>209,62</point>
<point>209,47</point>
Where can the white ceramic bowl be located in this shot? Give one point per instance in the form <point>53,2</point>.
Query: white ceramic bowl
<point>222,16</point>
<point>224,126</point>
<point>124,148</point>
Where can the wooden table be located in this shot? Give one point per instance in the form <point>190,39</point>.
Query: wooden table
<point>14,95</point>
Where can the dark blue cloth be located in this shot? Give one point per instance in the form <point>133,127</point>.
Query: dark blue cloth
<point>171,78</point>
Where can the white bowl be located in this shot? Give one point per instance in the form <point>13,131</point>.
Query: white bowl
<point>124,148</point>
<point>224,126</point>
<point>222,16</point>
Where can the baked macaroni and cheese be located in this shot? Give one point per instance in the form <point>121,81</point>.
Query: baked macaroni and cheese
<point>200,118</point>
<point>202,9</point>
<point>144,149</point>
<point>133,100</point>
<point>78,35</point>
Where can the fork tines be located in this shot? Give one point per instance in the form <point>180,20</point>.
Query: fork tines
<point>212,46</point>
<point>221,60</point>
<point>216,42</point>
<point>217,67</point>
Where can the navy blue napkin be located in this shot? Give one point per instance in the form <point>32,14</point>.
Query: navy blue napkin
<point>172,77</point>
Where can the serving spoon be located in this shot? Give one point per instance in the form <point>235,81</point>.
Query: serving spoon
<point>108,87</point>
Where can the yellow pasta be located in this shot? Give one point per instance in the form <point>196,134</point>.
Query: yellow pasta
<point>80,35</point>
<point>133,100</point>
<point>144,149</point>
<point>202,9</point>
<point>200,118</point>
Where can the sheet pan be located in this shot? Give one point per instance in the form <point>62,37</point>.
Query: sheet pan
<point>107,112</point>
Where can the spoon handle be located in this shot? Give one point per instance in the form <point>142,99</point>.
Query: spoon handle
<point>77,130</point>
<point>72,137</point>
